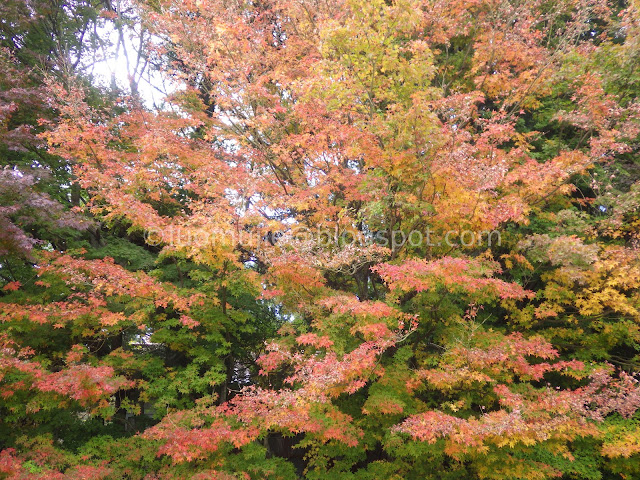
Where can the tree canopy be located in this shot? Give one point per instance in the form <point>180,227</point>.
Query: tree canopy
<point>358,239</point>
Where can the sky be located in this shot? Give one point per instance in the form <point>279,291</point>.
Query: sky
<point>118,60</point>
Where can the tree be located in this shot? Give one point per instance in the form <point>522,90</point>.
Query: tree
<point>399,197</point>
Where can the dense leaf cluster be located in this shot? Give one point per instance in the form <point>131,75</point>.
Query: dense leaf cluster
<point>361,239</point>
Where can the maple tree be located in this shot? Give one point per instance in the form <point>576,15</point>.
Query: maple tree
<point>363,239</point>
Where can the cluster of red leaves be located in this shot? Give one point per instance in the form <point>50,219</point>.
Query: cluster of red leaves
<point>352,306</point>
<point>471,275</point>
<point>86,384</point>
<point>83,383</point>
<point>110,279</point>
<point>13,468</point>
<point>526,414</point>
<point>94,281</point>
<point>184,441</point>
<point>499,361</point>
<point>540,416</point>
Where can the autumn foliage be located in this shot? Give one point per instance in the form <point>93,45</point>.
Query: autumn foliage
<point>358,240</point>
